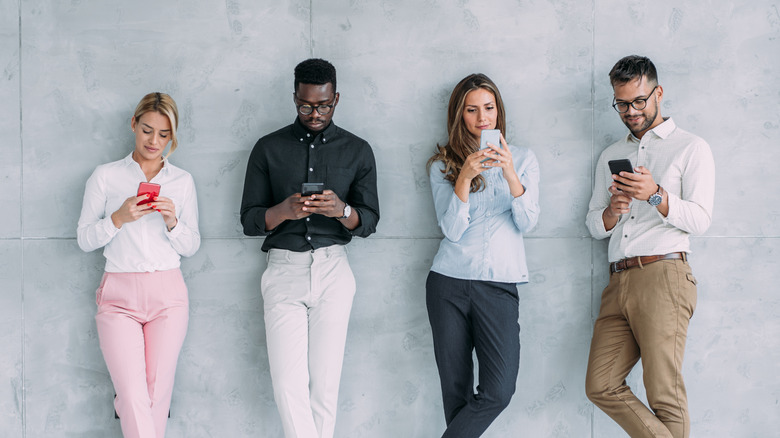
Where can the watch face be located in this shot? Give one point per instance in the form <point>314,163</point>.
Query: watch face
<point>655,199</point>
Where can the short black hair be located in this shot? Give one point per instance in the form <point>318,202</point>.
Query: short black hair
<point>633,67</point>
<point>315,71</point>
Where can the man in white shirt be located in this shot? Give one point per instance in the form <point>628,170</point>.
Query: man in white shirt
<point>648,216</point>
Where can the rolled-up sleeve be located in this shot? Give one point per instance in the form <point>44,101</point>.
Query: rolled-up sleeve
<point>692,212</point>
<point>257,197</point>
<point>95,227</point>
<point>599,201</point>
<point>185,236</point>
<point>363,196</point>
<point>525,208</point>
<point>452,214</point>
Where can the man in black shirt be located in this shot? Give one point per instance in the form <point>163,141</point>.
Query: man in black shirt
<point>308,285</point>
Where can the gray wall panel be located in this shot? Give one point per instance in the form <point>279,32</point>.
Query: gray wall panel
<point>10,146</point>
<point>11,326</point>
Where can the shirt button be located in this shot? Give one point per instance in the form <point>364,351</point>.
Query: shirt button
<point>308,135</point>
<point>625,235</point>
<point>308,237</point>
<point>324,140</point>
<point>300,139</point>
<point>312,145</point>
<point>311,169</point>
<point>632,217</point>
<point>308,219</point>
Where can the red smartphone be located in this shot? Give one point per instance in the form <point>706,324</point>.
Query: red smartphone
<point>148,188</point>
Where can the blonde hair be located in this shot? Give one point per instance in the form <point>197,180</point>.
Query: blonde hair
<point>163,104</point>
<point>461,143</point>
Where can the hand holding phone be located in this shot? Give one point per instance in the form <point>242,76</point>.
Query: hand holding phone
<point>150,189</point>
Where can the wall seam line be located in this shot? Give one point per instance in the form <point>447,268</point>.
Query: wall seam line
<point>311,28</point>
<point>592,176</point>
<point>21,228</point>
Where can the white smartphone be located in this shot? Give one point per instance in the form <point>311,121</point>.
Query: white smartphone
<point>492,136</point>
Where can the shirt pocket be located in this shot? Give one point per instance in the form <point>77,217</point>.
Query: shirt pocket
<point>339,179</point>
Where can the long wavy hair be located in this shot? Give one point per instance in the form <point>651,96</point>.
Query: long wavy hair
<point>163,104</point>
<point>461,143</point>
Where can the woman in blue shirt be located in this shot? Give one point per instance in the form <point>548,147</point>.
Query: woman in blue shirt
<point>485,200</point>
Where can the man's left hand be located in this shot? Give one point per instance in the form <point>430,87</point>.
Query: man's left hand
<point>327,204</point>
<point>639,185</point>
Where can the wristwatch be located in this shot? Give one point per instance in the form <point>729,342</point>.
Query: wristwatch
<point>347,211</point>
<point>656,198</point>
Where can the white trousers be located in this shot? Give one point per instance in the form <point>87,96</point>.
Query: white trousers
<point>307,298</point>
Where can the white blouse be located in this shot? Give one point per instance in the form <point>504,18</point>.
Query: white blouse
<point>144,245</point>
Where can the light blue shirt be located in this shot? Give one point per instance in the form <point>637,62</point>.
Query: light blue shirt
<point>483,238</point>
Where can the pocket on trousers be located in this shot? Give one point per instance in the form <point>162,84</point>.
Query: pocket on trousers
<point>691,291</point>
<point>99,291</point>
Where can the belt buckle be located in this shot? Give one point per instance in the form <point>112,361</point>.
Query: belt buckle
<point>614,267</point>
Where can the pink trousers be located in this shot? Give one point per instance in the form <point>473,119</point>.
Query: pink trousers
<point>141,322</point>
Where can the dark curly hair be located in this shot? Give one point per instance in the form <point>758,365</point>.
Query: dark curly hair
<point>315,71</point>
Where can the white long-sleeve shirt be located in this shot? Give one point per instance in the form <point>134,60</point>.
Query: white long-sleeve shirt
<point>682,164</point>
<point>144,245</point>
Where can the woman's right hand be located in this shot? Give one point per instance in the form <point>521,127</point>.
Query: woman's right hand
<point>130,211</point>
<point>472,167</point>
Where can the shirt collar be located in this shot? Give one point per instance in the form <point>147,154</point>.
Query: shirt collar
<point>301,133</point>
<point>129,161</point>
<point>661,131</point>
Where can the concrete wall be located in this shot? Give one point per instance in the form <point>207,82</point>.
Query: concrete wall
<point>72,71</point>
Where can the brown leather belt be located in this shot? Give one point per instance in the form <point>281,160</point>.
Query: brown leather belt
<point>632,262</point>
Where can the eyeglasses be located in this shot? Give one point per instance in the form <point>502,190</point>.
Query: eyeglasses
<point>307,109</point>
<point>637,104</point>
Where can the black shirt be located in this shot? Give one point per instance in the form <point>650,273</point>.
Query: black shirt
<point>281,161</point>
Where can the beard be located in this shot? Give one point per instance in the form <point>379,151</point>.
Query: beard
<point>648,122</point>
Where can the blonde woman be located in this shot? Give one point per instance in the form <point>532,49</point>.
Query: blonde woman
<point>142,303</point>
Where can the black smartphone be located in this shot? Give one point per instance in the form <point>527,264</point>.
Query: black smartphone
<point>308,189</point>
<point>617,166</point>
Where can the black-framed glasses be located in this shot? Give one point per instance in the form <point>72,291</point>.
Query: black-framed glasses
<point>637,104</point>
<point>307,109</point>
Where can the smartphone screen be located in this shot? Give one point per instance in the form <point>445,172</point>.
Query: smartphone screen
<point>308,189</point>
<point>151,188</point>
<point>617,166</point>
<point>492,136</point>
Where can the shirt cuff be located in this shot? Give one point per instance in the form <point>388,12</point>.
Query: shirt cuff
<point>521,201</point>
<point>458,207</point>
<point>674,208</point>
<point>596,226</point>
<point>108,227</point>
<point>176,231</point>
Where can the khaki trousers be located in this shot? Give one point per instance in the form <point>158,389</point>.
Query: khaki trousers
<point>644,313</point>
